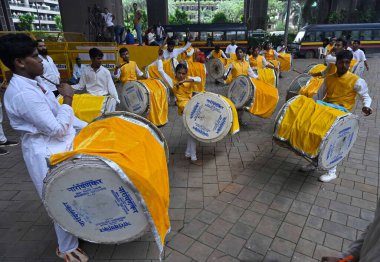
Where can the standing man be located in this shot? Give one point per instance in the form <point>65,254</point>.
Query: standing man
<point>160,33</point>
<point>108,19</point>
<point>97,79</point>
<point>359,55</point>
<point>127,71</point>
<point>50,76</point>
<point>172,52</point>
<point>231,48</point>
<point>137,22</point>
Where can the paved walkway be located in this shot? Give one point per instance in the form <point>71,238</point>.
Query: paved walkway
<point>247,203</point>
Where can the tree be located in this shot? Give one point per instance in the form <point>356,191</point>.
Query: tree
<point>129,14</point>
<point>219,18</point>
<point>58,22</point>
<point>179,17</point>
<point>232,10</point>
<point>26,21</point>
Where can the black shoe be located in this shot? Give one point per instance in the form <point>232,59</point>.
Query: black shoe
<point>3,152</point>
<point>9,143</point>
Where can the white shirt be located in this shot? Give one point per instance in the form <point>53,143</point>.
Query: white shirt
<point>359,55</point>
<point>176,52</point>
<point>151,37</point>
<point>223,54</point>
<point>168,79</point>
<point>77,71</point>
<point>250,72</point>
<point>118,72</point>
<point>160,32</point>
<point>97,83</point>
<point>231,49</point>
<point>108,19</point>
<point>46,127</point>
<point>50,72</point>
<point>279,48</point>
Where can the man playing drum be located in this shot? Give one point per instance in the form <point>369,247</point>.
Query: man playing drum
<point>341,89</point>
<point>256,60</point>
<point>97,79</point>
<point>217,53</point>
<point>231,48</point>
<point>238,67</point>
<point>172,52</point>
<point>46,126</point>
<point>127,71</point>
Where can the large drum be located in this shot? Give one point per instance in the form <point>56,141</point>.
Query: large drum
<point>285,62</point>
<point>88,107</point>
<point>113,186</point>
<point>216,68</point>
<point>148,98</point>
<point>209,117</point>
<point>318,132</point>
<point>296,85</point>
<point>255,96</point>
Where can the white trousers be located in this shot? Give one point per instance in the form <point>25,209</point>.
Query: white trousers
<point>3,139</point>
<point>191,148</point>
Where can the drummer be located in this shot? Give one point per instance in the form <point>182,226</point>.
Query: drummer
<point>182,87</point>
<point>217,53</point>
<point>172,52</point>
<point>46,126</point>
<point>188,54</point>
<point>341,89</point>
<point>238,67</point>
<point>256,60</point>
<point>270,54</point>
<point>97,79</point>
<point>127,71</point>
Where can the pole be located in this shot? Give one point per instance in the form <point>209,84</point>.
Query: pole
<point>199,12</point>
<point>38,14</point>
<point>287,23</point>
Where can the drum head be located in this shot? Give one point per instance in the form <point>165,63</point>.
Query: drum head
<point>308,68</point>
<point>143,122</point>
<point>216,68</point>
<point>296,85</point>
<point>135,97</point>
<point>240,91</point>
<point>338,142</point>
<point>207,117</point>
<point>89,199</point>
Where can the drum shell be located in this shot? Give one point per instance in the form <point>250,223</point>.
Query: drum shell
<point>296,85</point>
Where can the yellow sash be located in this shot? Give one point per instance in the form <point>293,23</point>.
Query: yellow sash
<point>197,69</point>
<point>267,75</point>
<point>235,120</point>
<point>317,69</point>
<point>158,110</point>
<point>265,99</point>
<point>312,87</point>
<point>285,62</point>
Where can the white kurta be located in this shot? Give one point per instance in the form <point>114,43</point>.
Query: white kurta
<point>176,52</point>
<point>50,72</point>
<point>46,128</point>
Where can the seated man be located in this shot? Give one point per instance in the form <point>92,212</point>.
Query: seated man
<point>129,38</point>
<point>97,79</point>
<point>128,70</point>
<point>77,72</point>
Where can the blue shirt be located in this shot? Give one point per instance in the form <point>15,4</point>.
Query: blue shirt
<point>129,39</point>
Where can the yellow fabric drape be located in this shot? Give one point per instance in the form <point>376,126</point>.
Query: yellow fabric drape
<point>233,56</point>
<point>158,104</point>
<point>235,120</point>
<point>312,87</point>
<point>352,64</point>
<point>317,69</point>
<point>305,123</point>
<point>138,154</point>
<point>265,99</point>
<point>285,62</point>
<point>87,107</point>
<point>267,75</point>
<point>197,69</point>
<point>128,72</point>
<point>183,94</point>
<point>168,68</point>
<point>275,63</point>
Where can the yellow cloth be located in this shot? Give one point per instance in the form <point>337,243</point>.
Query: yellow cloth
<point>233,56</point>
<point>275,63</point>
<point>265,99</point>
<point>158,102</point>
<point>215,54</point>
<point>87,107</point>
<point>329,48</point>
<point>269,55</point>
<point>235,119</point>
<point>239,67</point>
<point>285,62</point>
<point>183,94</point>
<point>267,75</point>
<point>312,87</point>
<point>305,123</point>
<point>197,69</point>
<point>256,62</point>
<point>340,90</point>
<point>352,64</point>
<point>332,69</point>
<point>185,57</point>
<point>168,68</point>
<point>138,154</point>
<point>128,72</point>
<point>317,69</point>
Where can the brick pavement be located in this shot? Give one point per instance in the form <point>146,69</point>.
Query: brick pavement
<point>247,203</point>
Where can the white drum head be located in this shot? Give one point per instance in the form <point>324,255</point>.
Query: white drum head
<point>338,142</point>
<point>240,91</point>
<point>135,97</point>
<point>93,202</point>
<point>207,117</point>
<point>216,68</point>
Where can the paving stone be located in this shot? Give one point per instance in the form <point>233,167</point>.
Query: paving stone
<point>248,256</point>
<point>314,222</point>
<point>268,226</point>
<point>177,257</point>
<point>339,218</point>
<point>180,242</point>
<point>367,214</point>
<point>281,203</point>
<point>363,204</point>
<point>241,230</point>
<point>220,227</point>
<point>339,230</point>
<point>265,197</point>
<point>206,216</point>
<point>321,251</point>
<point>273,256</point>
<point>259,243</point>
<point>194,229</point>
<point>297,257</point>
<point>344,208</point>
<point>289,232</point>
<point>231,245</point>
<point>232,213</point>
<point>313,235</point>
<point>357,223</point>
<point>216,206</point>
<point>295,219</point>
<point>333,242</point>
<point>210,239</point>
<point>250,218</point>
<point>300,208</point>
<point>199,251</point>
<point>305,247</point>
<point>283,247</point>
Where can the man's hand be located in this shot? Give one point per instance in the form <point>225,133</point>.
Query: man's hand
<point>65,90</point>
<point>367,111</point>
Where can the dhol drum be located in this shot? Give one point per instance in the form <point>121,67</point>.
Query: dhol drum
<point>216,68</point>
<point>317,132</point>
<point>254,95</point>
<point>209,117</point>
<point>285,62</point>
<point>114,185</point>
<point>88,107</point>
<point>296,85</point>
<point>148,98</point>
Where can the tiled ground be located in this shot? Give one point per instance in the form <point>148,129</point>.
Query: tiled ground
<point>247,202</point>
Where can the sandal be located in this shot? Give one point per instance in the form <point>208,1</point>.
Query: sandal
<point>77,255</point>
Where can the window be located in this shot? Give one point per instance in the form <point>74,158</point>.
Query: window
<point>230,35</point>
<point>355,35</point>
<point>194,36</point>
<point>338,34</point>
<point>240,35</point>
<point>181,36</point>
<point>205,35</point>
<point>376,34</point>
<point>310,37</point>
<point>366,35</point>
<point>218,36</point>
<point>329,34</point>
<point>319,36</point>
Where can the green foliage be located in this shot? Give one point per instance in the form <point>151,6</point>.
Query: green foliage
<point>337,17</point>
<point>26,21</point>
<point>280,26</point>
<point>129,14</point>
<point>219,18</point>
<point>232,9</point>
<point>179,17</point>
<point>58,22</point>
<point>365,16</point>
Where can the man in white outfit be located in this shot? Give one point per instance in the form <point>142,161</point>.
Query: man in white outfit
<point>172,52</point>
<point>360,57</point>
<point>231,48</point>
<point>46,127</point>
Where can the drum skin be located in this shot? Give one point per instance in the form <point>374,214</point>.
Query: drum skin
<point>215,68</point>
<point>240,91</point>
<point>135,97</point>
<point>296,85</point>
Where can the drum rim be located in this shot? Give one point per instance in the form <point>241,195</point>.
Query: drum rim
<point>223,134</point>
<point>295,79</point>
<point>215,60</point>
<point>55,171</point>
<point>146,92</point>
<point>142,119</point>
<point>326,139</point>
<point>310,67</point>
<point>252,91</point>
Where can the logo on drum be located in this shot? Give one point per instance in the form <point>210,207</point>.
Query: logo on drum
<point>73,213</point>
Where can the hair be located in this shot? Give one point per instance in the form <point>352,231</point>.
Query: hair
<point>95,52</point>
<point>40,41</point>
<point>344,42</point>
<point>123,50</point>
<point>180,66</point>
<point>171,42</point>
<point>14,46</point>
<point>266,45</point>
<point>238,48</point>
<point>345,54</point>
<point>77,58</point>
<point>356,41</point>
<point>128,30</point>
<point>217,48</point>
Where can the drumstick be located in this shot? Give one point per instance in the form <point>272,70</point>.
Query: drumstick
<point>297,71</point>
<point>51,82</point>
